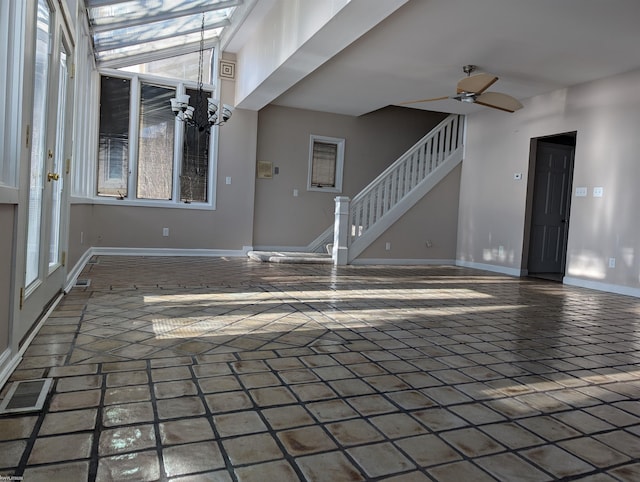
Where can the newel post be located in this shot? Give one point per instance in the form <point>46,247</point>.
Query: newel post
<point>340,252</point>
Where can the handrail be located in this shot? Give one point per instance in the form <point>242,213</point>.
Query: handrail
<point>401,177</point>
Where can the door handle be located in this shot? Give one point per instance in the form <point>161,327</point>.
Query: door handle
<point>52,176</point>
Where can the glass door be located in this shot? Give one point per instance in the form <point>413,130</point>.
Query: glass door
<point>48,165</point>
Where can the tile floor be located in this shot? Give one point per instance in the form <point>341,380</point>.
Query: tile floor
<point>231,370</point>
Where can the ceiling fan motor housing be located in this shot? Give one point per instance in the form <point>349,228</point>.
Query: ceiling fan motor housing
<point>469,69</point>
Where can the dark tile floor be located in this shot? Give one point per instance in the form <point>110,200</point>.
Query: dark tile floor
<point>198,369</point>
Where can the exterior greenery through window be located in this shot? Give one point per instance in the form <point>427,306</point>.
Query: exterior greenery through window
<point>150,168</point>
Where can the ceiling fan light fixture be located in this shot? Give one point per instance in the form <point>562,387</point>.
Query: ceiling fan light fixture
<point>468,97</point>
<point>472,90</point>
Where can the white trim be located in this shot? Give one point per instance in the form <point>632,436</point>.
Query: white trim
<point>74,273</point>
<point>5,372</point>
<point>137,81</point>
<point>600,286</point>
<point>212,253</point>
<point>491,267</point>
<point>149,203</point>
<point>406,203</point>
<point>337,179</point>
<point>404,262</point>
<point>9,195</point>
<point>7,365</point>
<point>285,249</point>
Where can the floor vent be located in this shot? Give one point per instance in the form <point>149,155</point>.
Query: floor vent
<point>83,282</point>
<point>26,396</point>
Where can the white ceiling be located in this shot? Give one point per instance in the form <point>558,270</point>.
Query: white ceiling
<point>533,46</point>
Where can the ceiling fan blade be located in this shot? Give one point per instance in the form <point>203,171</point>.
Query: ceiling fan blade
<point>496,100</point>
<point>476,83</point>
<point>423,100</point>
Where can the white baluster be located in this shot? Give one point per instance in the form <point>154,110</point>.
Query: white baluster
<point>341,228</point>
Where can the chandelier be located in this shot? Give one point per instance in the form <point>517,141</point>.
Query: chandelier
<point>186,113</point>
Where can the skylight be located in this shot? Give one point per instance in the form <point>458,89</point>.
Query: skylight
<point>129,32</point>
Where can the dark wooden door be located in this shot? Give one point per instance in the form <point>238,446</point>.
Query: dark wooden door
<point>550,214</point>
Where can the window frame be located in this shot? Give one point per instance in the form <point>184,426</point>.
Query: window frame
<point>134,115</point>
<point>338,175</point>
<point>12,133</point>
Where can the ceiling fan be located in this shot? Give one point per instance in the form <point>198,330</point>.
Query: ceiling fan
<point>472,89</point>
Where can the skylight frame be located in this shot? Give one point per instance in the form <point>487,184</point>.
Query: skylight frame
<point>127,32</point>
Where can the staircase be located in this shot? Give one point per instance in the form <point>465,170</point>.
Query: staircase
<point>389,196</point>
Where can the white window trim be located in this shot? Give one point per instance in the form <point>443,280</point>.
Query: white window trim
<point>339,142</point>
<point>131,200</point>
<point>12,38</point>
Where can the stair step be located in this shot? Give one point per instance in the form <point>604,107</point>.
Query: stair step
<point>290,257</point>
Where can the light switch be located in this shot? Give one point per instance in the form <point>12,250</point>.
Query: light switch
<point>228,180</point>
<point>598,191</point>
<point>295,193</point>
<point>581,192</point>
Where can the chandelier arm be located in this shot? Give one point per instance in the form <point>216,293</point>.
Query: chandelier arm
<point>189,114</point>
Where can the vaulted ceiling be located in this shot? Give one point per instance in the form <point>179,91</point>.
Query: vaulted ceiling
<point>418,52</point>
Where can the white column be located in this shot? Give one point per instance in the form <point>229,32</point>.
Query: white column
<point>341,232</point>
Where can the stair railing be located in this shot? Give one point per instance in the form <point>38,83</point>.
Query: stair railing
<point>400,178</point>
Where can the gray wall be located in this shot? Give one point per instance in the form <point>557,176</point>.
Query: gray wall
<point>427,232</point>
<point>228,227</point>
<point>80,232</point>
<point>606,116</point>
<point>372,142</point>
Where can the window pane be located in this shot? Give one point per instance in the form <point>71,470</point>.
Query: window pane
<point>323,172</point>
<point>113,152</point>
<point>58,186</point>
<point>195,155</point>
<point>39,138</point>
<point>155,148</point>
<point>183,67</point>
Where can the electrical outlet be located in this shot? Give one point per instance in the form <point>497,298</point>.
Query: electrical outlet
<point>612,262</point>
<point>165,232</point>
<point>295,193</point>
<point>581,192</point>
<point>387,246</point>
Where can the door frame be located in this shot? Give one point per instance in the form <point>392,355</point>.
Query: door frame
<point>25,319</point>
<point>565,138</point>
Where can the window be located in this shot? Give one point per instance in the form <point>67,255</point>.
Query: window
<point>12,34</point>
<point>145,155</point>
<point>155,143</point>
<point>113,143</point>
<point>195,156</point>
<point>326,159</point>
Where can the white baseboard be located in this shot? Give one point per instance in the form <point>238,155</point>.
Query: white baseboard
<point>285,249</point>
<point>15,358</point>
<point>600,286</point>
<point>72,275</point>
<point>403,262</point>
<point>8,363</point>
<point>491,267</point>
<point>212,253</point>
